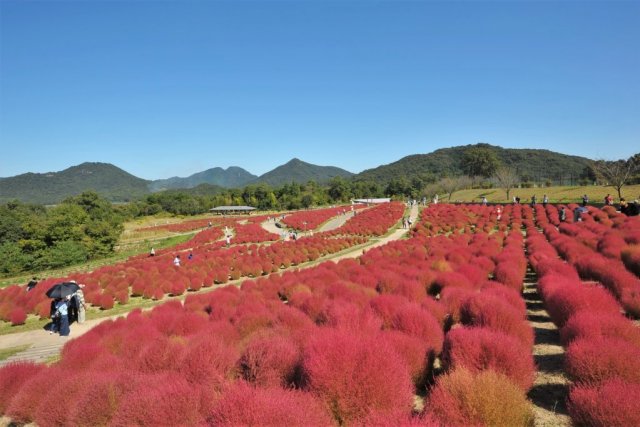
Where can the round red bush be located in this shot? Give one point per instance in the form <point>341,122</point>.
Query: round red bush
<point>354,375</point>
<point>243,405</point>
<point>478,349</point>
<point>614,403</point>
<point>594,360</point>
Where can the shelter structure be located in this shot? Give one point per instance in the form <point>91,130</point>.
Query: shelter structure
<point>372,201</point>
<point>230,210</point>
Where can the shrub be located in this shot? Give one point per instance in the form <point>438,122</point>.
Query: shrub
<point>569,300</point>
<point>159,399</point>
<point>352,379</point>
<point>592,361</point>
<point>17,316</point>
<point>478,349</point>
<point>99,399</point>
<point>415,321</point>
<point>270,361</point>
<point>492,312</point>
<point>586,324</point>
<point>22,407</point>
<point>12,377</point>
<point>210,360</point>
<point>461,398</point>
<point>243,405</point>
<point>631,258</point>
<point>614,403</point>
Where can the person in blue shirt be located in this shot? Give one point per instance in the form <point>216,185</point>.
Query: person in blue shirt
<point>63,313</point>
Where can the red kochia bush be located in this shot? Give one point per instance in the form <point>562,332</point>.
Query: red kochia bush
<point>243,405</point>
<point>494,313</point>
<point>17,316</point>
<point>415,321</point>
<point>586,324</point>
<point>354,375</point>
<point>12,377</point>
<point>631,258</point>
<point>160,399</point>
<point>461,398</point>
<point>614,403</point>
<point>478,349</point>
<point>594,360</point>
<point>569,300</point>
<point>270,361</point>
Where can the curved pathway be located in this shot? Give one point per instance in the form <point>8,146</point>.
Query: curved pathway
<point>44,346</point>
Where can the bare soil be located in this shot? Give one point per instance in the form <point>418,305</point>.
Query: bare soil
<point>551,386</point>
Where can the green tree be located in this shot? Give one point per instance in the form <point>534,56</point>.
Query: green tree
<point>480,161</point>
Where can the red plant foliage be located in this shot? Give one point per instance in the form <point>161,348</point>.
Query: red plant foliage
<point>243,405</point>
<point>478,349</point>
<point>271,361</point>
<point>586,324</point>
<point>570,299</point>
<point>613,403</point>
<point>159,399</point>
<point>12,377</point>
<point>492,312</point>
<point>351,375</point>
<point>594,360</point>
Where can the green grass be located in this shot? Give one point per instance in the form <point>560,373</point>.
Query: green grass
<point>6,353</point>
<point>564,194</point>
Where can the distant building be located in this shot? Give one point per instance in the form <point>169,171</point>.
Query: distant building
<point>229,210</point>
<point>372,201</point>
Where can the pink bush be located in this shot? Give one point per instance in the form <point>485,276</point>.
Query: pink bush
<point>159,399</point>
<point>494,313</point>
<point>12,377</point>
<point>352,379</point>
<point>569,300</point>
<point>243,405</point>
<point>415,321</point>
<point>613,403</point>
<point>586,324</point>
<point>592,361</point>
<point>270,361</point>
<point>478,349</point>
<point>17,316</point>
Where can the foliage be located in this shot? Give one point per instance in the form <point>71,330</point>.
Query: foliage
<point>480,160</point>
<point>80,228</point>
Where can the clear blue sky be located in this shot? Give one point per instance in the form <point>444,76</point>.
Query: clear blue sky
<point>166,88</point>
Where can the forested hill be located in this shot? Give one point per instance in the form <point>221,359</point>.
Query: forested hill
<point>232,177</point>
<point>49,188</point>
<point>530,164</point>
<point>301,172</point>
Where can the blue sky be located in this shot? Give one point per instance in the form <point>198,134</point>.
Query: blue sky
<point>166,88</point>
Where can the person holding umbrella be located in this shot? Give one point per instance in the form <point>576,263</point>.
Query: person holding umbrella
<point>62,293</point>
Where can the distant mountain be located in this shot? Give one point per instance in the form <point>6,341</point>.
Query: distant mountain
<point>52,187</point>
<point>537,165</point>
<point>301,172</point>
<point>232,177</point>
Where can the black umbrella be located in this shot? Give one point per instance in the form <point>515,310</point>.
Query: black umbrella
<point>61,290</point>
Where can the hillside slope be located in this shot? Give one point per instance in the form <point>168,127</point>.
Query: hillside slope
<point>301,172</point>
<point>232,177</point>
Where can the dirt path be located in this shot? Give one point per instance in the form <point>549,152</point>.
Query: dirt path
<point>551,386</point>
<point>44,346</point>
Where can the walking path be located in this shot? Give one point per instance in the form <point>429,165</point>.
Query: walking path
<point>551,386</point>
<point>44,346</point>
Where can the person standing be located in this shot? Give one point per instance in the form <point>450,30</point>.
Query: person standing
<point>545,200</point>
<point>585,200</point>
<point>484,201</point>
<point>176,261</point>
<point>152,252</point>
<point>228,240</point>
<point>82,305</point>
<point>562,214</point>
<point>533,200</point>
<point>62,312</point>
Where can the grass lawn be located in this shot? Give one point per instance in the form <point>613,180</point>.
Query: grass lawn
<point>562,194</point>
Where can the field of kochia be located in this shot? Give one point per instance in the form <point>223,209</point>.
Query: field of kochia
<point>426,331</point>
